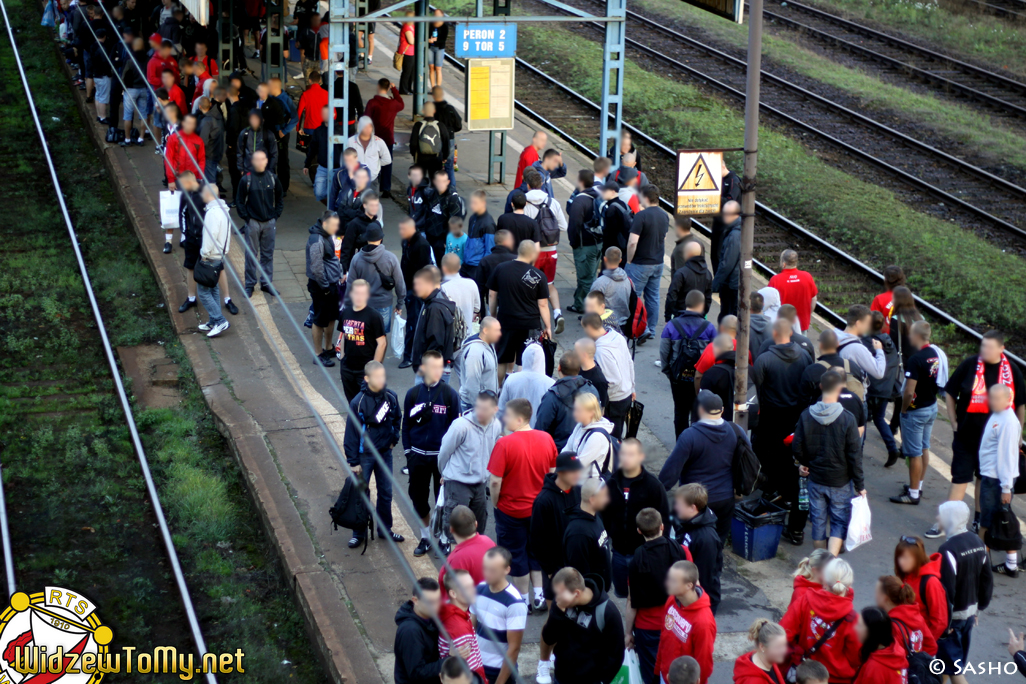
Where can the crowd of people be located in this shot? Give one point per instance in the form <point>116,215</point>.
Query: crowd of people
<point>503,426</point>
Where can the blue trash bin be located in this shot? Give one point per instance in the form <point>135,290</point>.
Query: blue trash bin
<point>756,528</point>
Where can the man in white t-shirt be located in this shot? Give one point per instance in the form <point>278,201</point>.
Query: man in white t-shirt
<point>499,610</point>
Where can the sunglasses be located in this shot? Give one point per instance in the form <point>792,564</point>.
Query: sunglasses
<point>914,541</point>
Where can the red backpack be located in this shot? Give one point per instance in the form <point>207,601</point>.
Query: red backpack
<point>637,322</point>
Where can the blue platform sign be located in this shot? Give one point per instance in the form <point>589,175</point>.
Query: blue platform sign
<point>486,40</point>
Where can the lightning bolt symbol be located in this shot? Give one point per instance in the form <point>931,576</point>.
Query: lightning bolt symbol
<point>698,177</point>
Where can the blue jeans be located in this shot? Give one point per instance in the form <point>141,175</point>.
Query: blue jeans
<point>620,562</point>
<point>990,499</point>
<point>646,281</point>
<point>210,298</point>
<point>830,510</point>
<point>210,170</point>
<point>916,430</point>
<point>386,316</point>
<point>137,101</point>
<point>383,481</point>
<point>321,183</point>
<point>448,166</point>
<point>878,412</point>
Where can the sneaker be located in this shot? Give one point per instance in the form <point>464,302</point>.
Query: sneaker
<point>1002,569</point>
<point>975,527</point>
<point>539,605</point>
<point>934,532</point>
<point>269,290</point>
<point>203,327</point>
<point>544,675</point>
<point>573,308</point>
<point>405,363</point>
<point>794,538</point>
<point>560,324</point>
<point>186,305</point>
<point>90,99</point>
<point>892,458</point>
<point>249,293</point>
<point>405,470</point>
<point>422,548</point>
<point>396,537</point>
<point>219,328</point>
<point>906,498</point>
<point>385,194</point>
<point>167,248</point>
<point>325,361</point>
<point>355,542</point>
<point>232,309</point>
<point>445,548</point>
<point>123,143</point>
<point>308,323</point>
<point>645,338</point>
<point>140,142</point>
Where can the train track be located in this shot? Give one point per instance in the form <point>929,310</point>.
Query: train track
<point>1011,9</point>
<point>904,59</point>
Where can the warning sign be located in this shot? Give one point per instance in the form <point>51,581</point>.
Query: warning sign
<point>699,176</point>
<point>490,94</point>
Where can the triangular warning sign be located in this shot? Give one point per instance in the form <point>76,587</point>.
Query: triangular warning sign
<point>699,178</point>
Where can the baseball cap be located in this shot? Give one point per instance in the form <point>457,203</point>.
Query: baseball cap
<point>374,232</point>
<point>568,462</point>
<point>709,402</point>
<point>156,38</point>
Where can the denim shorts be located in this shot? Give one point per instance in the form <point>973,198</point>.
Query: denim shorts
<point>102,89</point>
<point>916,430</point>
<point>953,647</point>
<point>437,58</point>
<point>830,510</point>
<point>990,499</point>
<point>137,100</point>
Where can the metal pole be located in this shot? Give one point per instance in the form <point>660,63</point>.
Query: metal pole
<point>8,558</point>
<point>420,61</point>
<point>748,210</point>
<point>613,56</point>
<point>338,44</point>
<point>362,29</point>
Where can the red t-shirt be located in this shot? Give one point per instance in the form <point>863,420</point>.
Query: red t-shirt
<point>527,157</point>
<point>796,288</point>
<point>522,460</point>
<point>884,304</point>
<point>708,358</point>
<point>469,555</point>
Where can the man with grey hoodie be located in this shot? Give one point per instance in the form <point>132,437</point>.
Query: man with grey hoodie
<point>859,321</point>
<point>380,268</point>
<point>463,460</point>
<point>476,364</point>
<point>615,285</point>
<point>615,360</point>
<point>760,326</point>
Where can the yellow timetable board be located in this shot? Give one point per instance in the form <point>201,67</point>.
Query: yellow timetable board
<point>490,94</point>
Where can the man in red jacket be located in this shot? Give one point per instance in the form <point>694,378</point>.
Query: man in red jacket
<point>312,102</point>
<point>689,628</point>
<point>382,110</point>
<point>797,288</point>
<point>530,155</point>
<point>455,617</point>
<point>161,60</point>
<point>185,152</point>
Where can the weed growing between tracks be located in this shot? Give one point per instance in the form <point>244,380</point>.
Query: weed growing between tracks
<point>79,511</point>
<point>947,266</point>
<point>998,142</point>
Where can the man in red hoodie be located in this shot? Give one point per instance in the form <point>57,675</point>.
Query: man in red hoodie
<point>455,618</point>
<point>530,155</point>
<point>382,110</point>
<point>185,152</point>
<point>161,60</point>
<point>689,628</point>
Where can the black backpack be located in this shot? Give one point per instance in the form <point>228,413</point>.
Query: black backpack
<point>746,468</point>
<point>919,671</point>
<point>350,510</point>
<point>682,365</point>
<point>548,224</point>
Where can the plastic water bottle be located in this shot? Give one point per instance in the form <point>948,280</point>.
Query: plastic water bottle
<point>803,493</point>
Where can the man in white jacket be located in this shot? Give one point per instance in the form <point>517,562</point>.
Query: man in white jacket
<point>215,247</point>
<point>614,358</point>
<point>999,465</point>
<point>370,149</point>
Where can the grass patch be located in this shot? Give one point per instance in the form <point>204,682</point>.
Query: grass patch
<point>996,41</point>
<point>961,123</point>
<point>70,469</point>
<point>948,266</point>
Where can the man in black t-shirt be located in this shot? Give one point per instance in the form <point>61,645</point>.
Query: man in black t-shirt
<point>519,297</point>
<point>918,409</point>
<point>520,225</point>
<point>590,371</point>
<point>966,402</point>
<point>645,250</point>
<point>361,338</point>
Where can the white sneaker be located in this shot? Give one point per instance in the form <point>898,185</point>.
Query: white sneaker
<point>544,675</point>
<point>203,327</point>
<point>219,328</point>
<point>539,604</point>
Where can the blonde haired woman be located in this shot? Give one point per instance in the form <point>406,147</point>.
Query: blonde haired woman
<point>590,439</point>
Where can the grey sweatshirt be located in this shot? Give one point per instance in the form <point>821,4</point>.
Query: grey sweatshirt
<point>363,266</point>
<point>614,358</point>
<point>466,448</point>
<point>477,369</point>
<point>875,365</point>
<point>616,287</point>
<point>999,448</point>
<point>531,383</point>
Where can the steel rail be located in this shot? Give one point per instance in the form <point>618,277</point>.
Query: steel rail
<point>1003,10</point>
<point>6,534</point>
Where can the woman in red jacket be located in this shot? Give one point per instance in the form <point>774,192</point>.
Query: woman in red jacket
<point>809,575</point>
<point>898,599</point>
<point>761,666</point>
<point>883,658</point>
<point>922,573</point>
<point>821,625</point>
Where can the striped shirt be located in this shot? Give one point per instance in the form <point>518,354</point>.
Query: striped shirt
<point>502,611</point>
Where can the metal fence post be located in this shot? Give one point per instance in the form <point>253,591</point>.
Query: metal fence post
<point>274,55</point>
<point>338,39</point>
<point>612,74</point>
<point>421,83</point>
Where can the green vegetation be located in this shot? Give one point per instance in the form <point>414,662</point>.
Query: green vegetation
<point>991,137</point>
<point>78,507</point>
<point>948,266</point>
<point>970,33</point>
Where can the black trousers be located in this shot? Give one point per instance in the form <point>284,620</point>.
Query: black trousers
<point>683,403</point>
<point>422,472</point>
<point>728,303</point>
<point>413,307</point>
<point>438,247</point>
<point>351,382</point>
<point>777,459</point>
<point>724,511</point>
<point>616,412</point>
<point>406,75</point>
<point>234,172</point>
<point>284,172</point>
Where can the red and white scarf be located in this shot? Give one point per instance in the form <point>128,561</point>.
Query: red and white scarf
<point>978,400</point>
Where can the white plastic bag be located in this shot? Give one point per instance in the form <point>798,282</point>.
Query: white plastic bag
<point>435,523</point>
<point>169,203</point>
<point>630,671</point>
<point>858,529</point>
<point>398,336</point>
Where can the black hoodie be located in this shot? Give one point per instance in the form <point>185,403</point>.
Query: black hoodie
<point>626,499</point>
<point>778,375</point>
<point>647,571</point>
<point>416,648</point>
<point>581,212</point>
<point>416,255</point>
<point>498,255</point>
<point>381,415</point>
<point>251,140</point>
<point>549,518</point>
<point>584,653</point>
<point>719,380</point>
<point>693,275</point>
<point>587,546</point>
<point>555,414</point>
<point>434,328</point>
<point>700,536</point>
<point>260,196</point>
<point>438,209</point>
<point>355,238</point>
<point>813,373</point>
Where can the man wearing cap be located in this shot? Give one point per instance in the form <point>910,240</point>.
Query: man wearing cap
<point>704,454</point>
<point>560,493</point>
